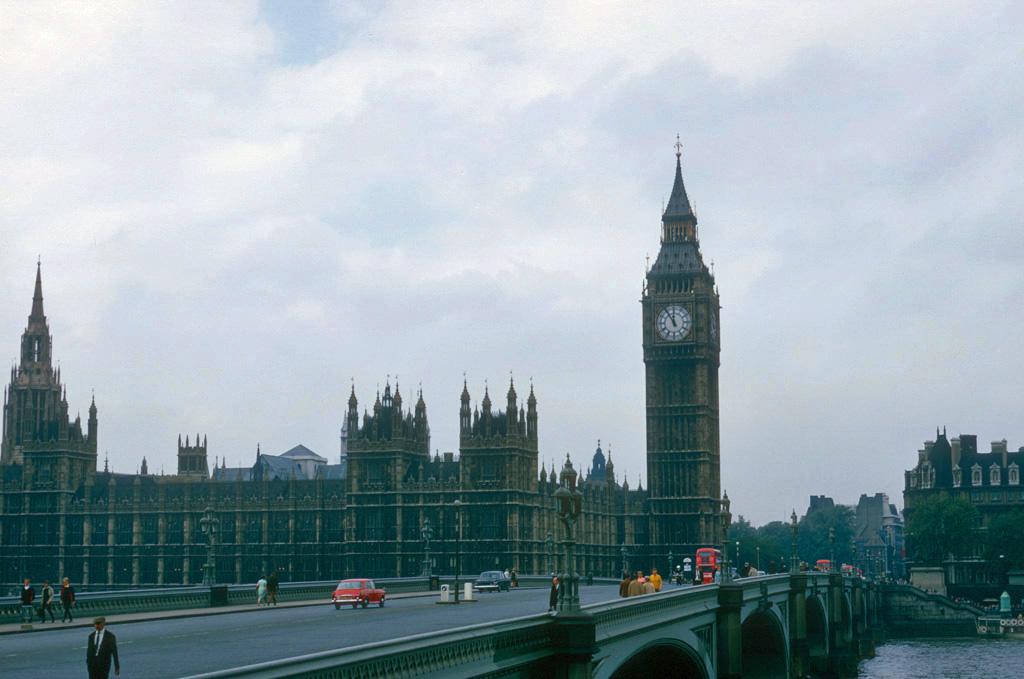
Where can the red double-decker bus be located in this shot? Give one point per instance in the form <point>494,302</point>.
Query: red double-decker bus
<point>707,563</point>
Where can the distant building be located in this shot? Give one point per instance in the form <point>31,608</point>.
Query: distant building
<point>990,481</point>
<point>493,504</point>
<point>820,502</point>
<point>878,534</point>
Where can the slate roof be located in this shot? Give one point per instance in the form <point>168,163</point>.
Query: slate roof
<point>302,452</point>
<point>272,467</point>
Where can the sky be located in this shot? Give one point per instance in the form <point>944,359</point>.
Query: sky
<point>244,208</point>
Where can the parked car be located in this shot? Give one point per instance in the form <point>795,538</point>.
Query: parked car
<point>357,592</point>
<point>492,581</point>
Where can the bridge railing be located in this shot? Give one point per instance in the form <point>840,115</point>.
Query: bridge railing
<point>114,602</point>
<point>464,651</point>
<point>90,604</point>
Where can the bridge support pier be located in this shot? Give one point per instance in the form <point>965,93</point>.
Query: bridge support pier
<point>799,649</point>
<point>574,634</point>
<point>730,631</point>
<point>842,661</point>
<point>865,646</point>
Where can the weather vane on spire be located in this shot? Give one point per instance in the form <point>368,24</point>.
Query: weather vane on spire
<point>679,147</point>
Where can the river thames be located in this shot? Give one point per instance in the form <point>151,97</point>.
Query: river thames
<point>946,659</point>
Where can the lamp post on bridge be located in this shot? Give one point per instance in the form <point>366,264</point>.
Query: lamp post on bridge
<point>426,532</point>
<point>832,550</point>
<point>549,545</point>
<point>794,564</point>
<point>458,545</point>
<point>569,509</point>
<point>738,560</point>
<point>758,550</point>
<point>210,524</point>
<point>671,566</point>
<point>625,559</point>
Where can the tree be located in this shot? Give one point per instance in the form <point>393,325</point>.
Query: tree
<point>1004,542</point>
<point>939,526</point>
<point>813,541</point>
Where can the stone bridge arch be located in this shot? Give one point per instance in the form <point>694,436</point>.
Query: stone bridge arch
<point>765,650</point>
<point>817,632</point>
<point>662,658</point>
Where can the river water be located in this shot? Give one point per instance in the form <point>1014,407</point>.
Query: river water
<point>946,659</point>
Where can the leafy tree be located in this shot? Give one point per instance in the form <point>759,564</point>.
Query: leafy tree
<point>776,539</point>
<point>939,526</point>
<point>773,539</point>
<point>1004,541</point>
<point>813,541</point>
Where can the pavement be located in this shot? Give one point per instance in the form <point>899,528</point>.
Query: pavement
<point>183,643</point>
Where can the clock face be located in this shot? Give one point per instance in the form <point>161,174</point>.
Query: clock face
<point>674,323</point>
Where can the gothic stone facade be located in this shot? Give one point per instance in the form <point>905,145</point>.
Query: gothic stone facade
<point>61,516</point>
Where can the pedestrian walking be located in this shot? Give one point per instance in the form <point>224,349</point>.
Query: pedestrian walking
<point>648,586</point>
<point>553,596</point>
<point>515,578</point>
<point>272,584</point>
<point>624,585</point>
<point>28,595</point>
<point>636,585</point>
<point>67,600</point>
<point>656,579</point>
<point>261,591</point>
<point>100,651</point>
<point>46,602</point>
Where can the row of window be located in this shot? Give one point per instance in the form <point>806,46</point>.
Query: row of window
<point>995,476</point>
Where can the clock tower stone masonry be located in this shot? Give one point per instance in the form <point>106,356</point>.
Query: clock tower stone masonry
<point>681,341</point>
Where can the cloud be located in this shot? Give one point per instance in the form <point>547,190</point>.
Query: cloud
<point>239,209</point>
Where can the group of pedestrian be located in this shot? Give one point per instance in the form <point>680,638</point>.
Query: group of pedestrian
<point>100,652</point>
<point>512,576</point>
<point>635,584</point>
<point>266,589</point>
<point>46,597</point>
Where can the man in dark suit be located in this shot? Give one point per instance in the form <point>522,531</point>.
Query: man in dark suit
<point>101,649</point>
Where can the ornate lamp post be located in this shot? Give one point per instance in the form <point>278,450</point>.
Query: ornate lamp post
<point>549,547</point>
<point>625,558</point>
<point>569,503</point>
<point>426,532</point>
<point>671,566</point>
<point>738,560</point>
<point>831,550</point>
<point>210,524</point>
<point>794,564</point>
<point>725,572</point>
<point>458,546</point>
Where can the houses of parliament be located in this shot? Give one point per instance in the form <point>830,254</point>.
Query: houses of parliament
<point>62,515</point>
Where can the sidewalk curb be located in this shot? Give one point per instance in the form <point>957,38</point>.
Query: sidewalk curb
<point>187,613</point>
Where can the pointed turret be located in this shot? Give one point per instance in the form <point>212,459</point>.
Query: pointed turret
<point>511,405</point>
<point>531,414</point>
<point>37,296</point>
<point>465,414</point>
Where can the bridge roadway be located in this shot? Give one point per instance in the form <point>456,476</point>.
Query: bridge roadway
<point>186,646</point>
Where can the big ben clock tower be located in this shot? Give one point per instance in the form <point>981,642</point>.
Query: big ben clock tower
<point>681,349</point>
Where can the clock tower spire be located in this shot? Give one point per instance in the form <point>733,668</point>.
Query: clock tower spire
<point>681,358</point>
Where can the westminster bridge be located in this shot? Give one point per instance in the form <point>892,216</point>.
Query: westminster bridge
<point>787,625</point>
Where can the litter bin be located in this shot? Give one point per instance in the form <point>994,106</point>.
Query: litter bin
<point>435,583</point>
<point>218,595</point>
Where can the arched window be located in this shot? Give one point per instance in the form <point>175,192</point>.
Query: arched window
<point>995,476</point>
<point>976,475</point>
<point>957,476</point>
<point>1014,474</point>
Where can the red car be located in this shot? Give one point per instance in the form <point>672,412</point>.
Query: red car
<point>358,592</point>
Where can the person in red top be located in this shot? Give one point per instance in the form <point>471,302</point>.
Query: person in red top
<point>28,595</point>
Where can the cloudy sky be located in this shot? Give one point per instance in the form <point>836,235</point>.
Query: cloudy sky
<point>241,207</point>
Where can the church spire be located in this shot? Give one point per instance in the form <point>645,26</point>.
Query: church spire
<point>37,296</point>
